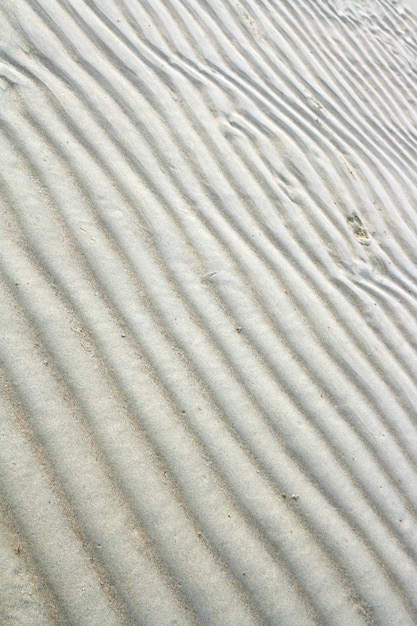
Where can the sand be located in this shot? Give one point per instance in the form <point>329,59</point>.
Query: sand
<point>208,312</point>
<point>411,4</point>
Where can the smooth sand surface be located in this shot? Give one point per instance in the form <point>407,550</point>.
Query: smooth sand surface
<point>208,246</point>
<point>411,4</point>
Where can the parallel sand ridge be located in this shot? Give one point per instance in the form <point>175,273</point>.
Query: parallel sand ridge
<point>209,343</point>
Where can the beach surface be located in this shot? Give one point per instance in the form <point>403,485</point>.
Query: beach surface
<point>208,340</point>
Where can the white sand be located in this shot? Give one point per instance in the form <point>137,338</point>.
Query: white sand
<point>208,276</point>
<point>411,4</point>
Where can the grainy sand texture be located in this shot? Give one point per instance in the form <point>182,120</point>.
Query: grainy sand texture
<point>208,339</point>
